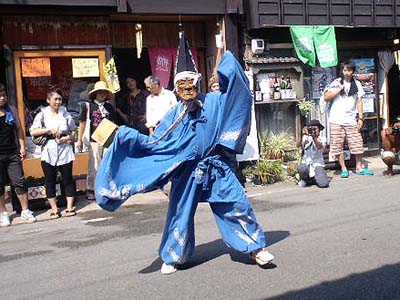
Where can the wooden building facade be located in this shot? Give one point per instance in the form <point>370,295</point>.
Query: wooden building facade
<point>50,35</point>
<point>367,31</point>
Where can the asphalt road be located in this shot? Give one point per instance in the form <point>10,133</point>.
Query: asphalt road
<point>338,243</point>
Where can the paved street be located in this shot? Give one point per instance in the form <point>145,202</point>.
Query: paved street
<point>337,243</point>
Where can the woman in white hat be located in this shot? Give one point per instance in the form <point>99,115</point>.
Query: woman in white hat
<point>94,112</point>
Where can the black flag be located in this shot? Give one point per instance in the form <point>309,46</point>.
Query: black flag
<point>184,57</point>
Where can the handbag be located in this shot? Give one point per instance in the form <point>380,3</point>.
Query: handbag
<point>40,140</point>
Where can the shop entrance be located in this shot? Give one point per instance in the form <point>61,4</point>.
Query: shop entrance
<point>393,78</point>
<point>72,71</point>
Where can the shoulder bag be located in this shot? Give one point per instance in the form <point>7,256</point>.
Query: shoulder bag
<point>40,140</point>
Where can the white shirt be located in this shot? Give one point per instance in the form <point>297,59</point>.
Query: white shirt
<point>313,156</point>
<point>53,153</point>
<point>158,106</point>
<point>344,108</point>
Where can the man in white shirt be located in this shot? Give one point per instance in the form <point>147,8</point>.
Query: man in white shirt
<point>158,103</point>
<point>345,95</point>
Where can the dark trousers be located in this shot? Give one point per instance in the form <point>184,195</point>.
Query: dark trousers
<point>320,178</point>
<point>50,173</point>
<point>11,169</point>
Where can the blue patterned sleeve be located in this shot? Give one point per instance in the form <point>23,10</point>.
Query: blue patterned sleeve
<point>235,102</point>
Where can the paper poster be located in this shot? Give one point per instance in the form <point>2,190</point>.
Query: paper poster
<point>368,103</point>
<point>365,73</point>
<point>321,77</point>
<point>36,67</point>
<point>85,67</point>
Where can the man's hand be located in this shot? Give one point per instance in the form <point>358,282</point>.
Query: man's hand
<point>22,153</point>
<point>360,124</point>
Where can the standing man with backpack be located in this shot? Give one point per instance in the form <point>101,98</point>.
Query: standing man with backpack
<point>346,117</point>
<point>12,152</point>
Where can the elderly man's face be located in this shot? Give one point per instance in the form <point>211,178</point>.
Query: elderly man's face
<point>187,90</point>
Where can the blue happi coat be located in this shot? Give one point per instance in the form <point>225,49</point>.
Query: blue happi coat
<point>132,165</point>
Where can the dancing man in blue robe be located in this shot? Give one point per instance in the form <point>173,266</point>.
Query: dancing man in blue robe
<point>192,147</point>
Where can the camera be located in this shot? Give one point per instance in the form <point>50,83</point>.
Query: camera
<point>396,130</point>
<point>310,130</point>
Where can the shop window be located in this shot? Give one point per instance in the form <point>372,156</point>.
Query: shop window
<point>70,70</point>
<point>58,72</point>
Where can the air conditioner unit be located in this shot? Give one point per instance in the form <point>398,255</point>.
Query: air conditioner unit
<point>257,46</point>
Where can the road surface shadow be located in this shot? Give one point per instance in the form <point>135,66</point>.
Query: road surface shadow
<point>211,250</point>
<point>378,284</point>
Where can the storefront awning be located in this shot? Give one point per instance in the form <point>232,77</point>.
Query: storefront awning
<point>111,3</point>
<point>204,7</point>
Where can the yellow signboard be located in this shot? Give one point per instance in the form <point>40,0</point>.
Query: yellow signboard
<point>111,75</point>
<point>36,67</point>
<point>85,67</point>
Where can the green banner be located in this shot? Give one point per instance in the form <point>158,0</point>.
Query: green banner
<point>325,46</point>
<point>302,37</point>
<point>312,41</point>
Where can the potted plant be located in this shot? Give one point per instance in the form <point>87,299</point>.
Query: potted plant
<point>275,145</point>
<point>265,171</point>
<point>305,107</point>
<point>273,149</point>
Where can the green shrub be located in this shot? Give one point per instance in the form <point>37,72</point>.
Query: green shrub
<point>265,171</point>
<point>275,145</point>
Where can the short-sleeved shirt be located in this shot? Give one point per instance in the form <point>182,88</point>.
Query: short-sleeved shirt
<point>158,106</point>
<point>344,108</point>
<point>135,108</point>
<point>8,137</point>
<point>53,153</point>
<point>95,114</point>
<point>312,155</point>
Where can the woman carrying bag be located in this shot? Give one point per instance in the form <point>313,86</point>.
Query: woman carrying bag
<point>57,154</point>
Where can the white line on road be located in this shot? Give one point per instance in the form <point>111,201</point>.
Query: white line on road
<point>96,220</point>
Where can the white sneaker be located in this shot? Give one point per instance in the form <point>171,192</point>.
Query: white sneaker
<point>27,216</point>
<point>167,269</point>
<point>302,183</point>
<point>4,219</point>
<point>262,257</point>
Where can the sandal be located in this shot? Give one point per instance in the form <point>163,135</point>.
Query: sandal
<point>55,215</point>
<point>344,174</point>
<point>90,196</point>
<point>365,172</point>
<point>70,213</point>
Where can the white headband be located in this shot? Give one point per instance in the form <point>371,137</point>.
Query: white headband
<point>187,74</point>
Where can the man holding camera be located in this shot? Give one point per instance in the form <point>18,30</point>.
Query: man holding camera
<point>391,146</point>
<point>312,169</point>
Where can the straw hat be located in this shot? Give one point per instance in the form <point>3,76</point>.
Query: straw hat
<point>100,86</point>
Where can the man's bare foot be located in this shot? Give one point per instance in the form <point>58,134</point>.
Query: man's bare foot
<point>388,173</point>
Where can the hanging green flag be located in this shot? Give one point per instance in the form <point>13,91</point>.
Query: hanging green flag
<point>302,37</point>
<point>325,46</point>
